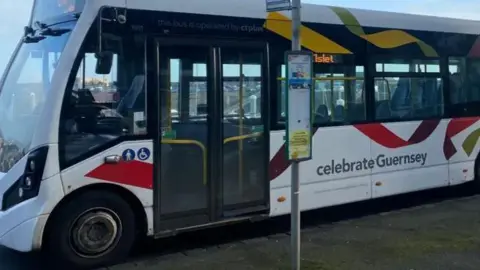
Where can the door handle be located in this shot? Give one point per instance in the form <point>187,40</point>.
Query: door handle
<point>113,159</point>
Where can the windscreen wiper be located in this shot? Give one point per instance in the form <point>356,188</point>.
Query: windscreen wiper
<point>33,36</point>
<point>45,30</point>
<point>29,35</point>
<point>54,32</point>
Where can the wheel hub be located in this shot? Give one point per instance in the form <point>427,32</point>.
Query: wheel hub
<point>95,232</point>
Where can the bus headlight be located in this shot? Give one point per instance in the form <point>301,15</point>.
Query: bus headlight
<point>27,182</point>
<point>31,165</point>
<point>28,185</point>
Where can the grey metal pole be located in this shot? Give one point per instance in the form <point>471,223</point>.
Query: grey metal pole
<point>296,23</point>
<point>295,207</point>
<point>295,219</point>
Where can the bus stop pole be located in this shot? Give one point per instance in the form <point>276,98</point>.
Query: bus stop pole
<point>295,181</point>
<point>295,219</point>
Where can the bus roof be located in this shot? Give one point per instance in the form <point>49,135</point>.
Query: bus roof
<point>311,13</point>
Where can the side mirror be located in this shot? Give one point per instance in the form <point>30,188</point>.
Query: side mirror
<point>104,62</point>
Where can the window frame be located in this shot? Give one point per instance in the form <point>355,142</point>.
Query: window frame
<point>374,74</point>
<point>453,108</point>
<point>78,67</point>
<point>257,79</point>
<point>280,122</point>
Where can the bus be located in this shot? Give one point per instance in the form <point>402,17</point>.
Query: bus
<point>121,119</point>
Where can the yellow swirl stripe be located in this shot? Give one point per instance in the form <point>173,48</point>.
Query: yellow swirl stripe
<point>388,39</point>
<point>311,40</point>
<point>470,142</point>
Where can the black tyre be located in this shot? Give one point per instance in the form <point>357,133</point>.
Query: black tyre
<point>476,180</point>
<point>93,230</point>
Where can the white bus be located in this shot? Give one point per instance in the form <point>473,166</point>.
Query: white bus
<point>129,118</point>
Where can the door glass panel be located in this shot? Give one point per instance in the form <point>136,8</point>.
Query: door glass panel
<point>198,92</point>
<point>183,102</point>
<point>244,146</point>
<point>174,89</point>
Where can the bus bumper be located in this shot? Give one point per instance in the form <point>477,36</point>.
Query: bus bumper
<point>22,226</point>
<point>26,236</point>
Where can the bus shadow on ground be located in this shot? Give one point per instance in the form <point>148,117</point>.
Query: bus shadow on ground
<point>13,260</point>
<point>209,239</point>
<point>203,240</point>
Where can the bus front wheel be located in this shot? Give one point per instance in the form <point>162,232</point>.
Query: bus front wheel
<point>95,229</point>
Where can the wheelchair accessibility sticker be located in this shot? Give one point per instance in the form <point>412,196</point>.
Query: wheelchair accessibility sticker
<point>143,153</point>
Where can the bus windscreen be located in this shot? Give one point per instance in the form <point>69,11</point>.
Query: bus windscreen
<point>47,9</point>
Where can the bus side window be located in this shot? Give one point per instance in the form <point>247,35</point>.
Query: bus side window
<point>339,94</point>
<point>104,107</point>
<point>101,87</point>
<point>464,86</point>
<point>415,93</point>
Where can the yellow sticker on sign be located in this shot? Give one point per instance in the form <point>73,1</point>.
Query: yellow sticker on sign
<point>300,144</point>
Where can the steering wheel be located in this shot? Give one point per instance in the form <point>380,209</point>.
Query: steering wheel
<point>93,118</point>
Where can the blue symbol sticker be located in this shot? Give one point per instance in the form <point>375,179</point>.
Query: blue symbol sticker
<point>128,155</point>
<point>143,153</point>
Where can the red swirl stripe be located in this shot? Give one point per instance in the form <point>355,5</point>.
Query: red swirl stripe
<point>475,50</point>
<point>134,173</point>
<point>376,132</point>
<point>386,138</point>
<point>454,127</point>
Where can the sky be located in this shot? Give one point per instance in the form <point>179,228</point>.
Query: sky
<point>14,14</point>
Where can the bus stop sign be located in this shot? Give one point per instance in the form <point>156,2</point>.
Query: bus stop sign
<point>278,5</point>
<point>299,105</point>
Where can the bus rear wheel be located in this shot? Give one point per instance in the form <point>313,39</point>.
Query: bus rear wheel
<point>93,230</point>
<point>476,180</point>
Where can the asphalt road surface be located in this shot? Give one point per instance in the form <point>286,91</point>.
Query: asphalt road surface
<point>429,230</point>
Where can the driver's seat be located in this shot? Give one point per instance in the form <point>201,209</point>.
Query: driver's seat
<point>130,98</point>
<point>321,115</point>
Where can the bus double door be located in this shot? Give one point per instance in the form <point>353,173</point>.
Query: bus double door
<point>212,152</point>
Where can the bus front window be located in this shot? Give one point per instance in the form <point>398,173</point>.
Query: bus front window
<point>23,93</point>
<point>107,107</point>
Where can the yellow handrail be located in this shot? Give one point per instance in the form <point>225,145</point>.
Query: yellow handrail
<point>329,79</point>
<point>242,137</point>
<point>338,78</point>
